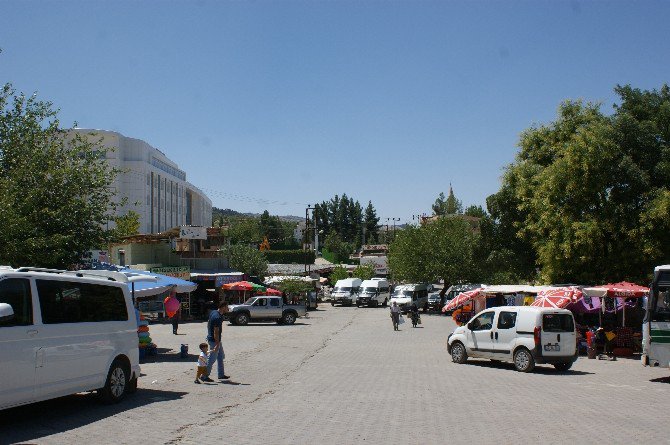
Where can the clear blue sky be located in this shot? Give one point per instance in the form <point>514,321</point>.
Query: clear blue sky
<point>274,105</point>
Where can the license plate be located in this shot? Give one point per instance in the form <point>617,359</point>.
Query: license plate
<point>552,347</point>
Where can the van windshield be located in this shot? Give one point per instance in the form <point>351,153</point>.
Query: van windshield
<point>369,290</point>
<point>342,289</point>
<point>558,323</point>
<point>402,293</point>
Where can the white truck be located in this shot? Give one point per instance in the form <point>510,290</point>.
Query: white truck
<point>373,293</point>
<point>345,292</point>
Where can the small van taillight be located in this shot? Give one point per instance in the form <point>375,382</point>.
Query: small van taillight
<point>536,335</point>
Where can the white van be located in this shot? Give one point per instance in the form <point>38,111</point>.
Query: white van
<point>373,293</point>
<point>524,335</point>
<point>408,294</point>
<point>345,291</point>
<point>66,332</point>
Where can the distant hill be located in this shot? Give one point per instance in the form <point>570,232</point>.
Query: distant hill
<point>218,213</point>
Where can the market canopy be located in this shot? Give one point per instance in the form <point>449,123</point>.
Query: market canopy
<point>558,297</point>
<point>246,286</point>
<point>462,298</point>
<point>623,289</point>
<point>147,284</point>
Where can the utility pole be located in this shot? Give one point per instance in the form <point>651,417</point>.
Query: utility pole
<point>307,234</point>
<point>394,221</point>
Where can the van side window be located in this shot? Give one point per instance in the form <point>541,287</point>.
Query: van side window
<point>483,322</point>
<point>71,302</point>
<point>16,293</point>
<point>506,320</point>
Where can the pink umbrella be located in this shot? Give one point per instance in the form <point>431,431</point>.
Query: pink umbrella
<point>557,298</point>
<point>272,292</point>
<point>171,306</point>
<point>462,298</point>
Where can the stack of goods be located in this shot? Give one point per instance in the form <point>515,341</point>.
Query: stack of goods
<point>143,334</point>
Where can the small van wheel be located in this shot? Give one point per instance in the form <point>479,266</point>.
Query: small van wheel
<point>458,353</point>
<point>563,366</point>
<point>523,360</point>
<point>116,385</point>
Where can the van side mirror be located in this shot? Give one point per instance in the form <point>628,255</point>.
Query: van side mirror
<point>6,312</point>
<point>469,325</point>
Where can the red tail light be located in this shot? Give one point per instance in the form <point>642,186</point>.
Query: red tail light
<point>536,335</point>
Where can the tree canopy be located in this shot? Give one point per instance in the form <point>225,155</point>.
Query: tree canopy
<point>346,218</point>
<point>55,188</point>
<point>590,193</point>
<point>248,260</point>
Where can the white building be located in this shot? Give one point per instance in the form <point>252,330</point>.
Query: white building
<point>154,186</point>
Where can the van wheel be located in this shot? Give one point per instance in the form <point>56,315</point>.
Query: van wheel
<point>523,360</point>
<point>458,353</point>
<point>116,385</point>
<point>563,366</point>
<point>242,319</point>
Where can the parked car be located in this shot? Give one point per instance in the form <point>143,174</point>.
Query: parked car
<point>66,332</point>
<point>373,293</point>
<point>265,309</point>
<point>524,335</point>
<point>406,295</point>
<point>434,301</point>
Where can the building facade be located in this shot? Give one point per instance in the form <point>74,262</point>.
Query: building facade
<point>154,186</point>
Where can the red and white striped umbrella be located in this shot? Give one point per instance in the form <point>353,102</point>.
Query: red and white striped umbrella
<point>557,298</point>
<point>462,298</point>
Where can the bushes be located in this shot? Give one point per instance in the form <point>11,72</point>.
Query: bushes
<point>289,256</point>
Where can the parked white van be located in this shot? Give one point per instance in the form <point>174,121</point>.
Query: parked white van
<point>524,335</point>
<point>373,293</point>
<point>66,332</point>
<point>345,291</point>
<point>408,294</point>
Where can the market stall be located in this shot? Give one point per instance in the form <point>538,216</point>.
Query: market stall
<point>241,288</point>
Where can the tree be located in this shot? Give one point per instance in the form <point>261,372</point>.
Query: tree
<point>364,271</point>
<point>440,205</point>
<point>247,260</point>
<point>371,224</point>
<point>339,273</point>
<point>294,286</point>
<point>442,249</point>
<point>587,187</point>
<point>126,225</point>
<point>476,211</point>
<point>55,187</point>
<point>453,206</point>
<point>339,248</point>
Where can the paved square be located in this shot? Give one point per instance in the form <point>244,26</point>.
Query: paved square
<point>344,376</point>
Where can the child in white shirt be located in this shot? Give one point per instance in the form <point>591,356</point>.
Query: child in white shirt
<point>202,363</point>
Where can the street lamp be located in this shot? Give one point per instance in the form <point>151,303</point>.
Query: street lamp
<point>394,221</point>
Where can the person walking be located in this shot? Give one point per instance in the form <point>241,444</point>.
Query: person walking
<point>175,321</point>
<point>395,315</point>
<point>214,327</point>
<point>414,314</point>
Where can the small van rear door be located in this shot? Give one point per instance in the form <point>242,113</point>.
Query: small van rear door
<point>558,334</point>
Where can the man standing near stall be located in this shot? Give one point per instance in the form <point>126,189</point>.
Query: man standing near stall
<point>214,327</point>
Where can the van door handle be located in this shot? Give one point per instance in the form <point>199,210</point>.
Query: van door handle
<point>491,335</point>
<point>496,336</point>
<point>559,337</point>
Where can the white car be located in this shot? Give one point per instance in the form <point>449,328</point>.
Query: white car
<point>66,332</point>
<point>524,335</point>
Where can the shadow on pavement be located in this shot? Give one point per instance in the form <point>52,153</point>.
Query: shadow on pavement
<point>542,369</point>
<point>272,324</point>
<point>32,422</point>
<point>661,380</point>
<point>233,383</point>
<point>169,355</point>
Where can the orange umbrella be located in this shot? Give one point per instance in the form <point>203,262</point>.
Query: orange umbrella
<point>462,298</point>
<point>246,286</point>
<point>557,298</point>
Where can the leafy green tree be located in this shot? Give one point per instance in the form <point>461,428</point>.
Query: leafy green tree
<point>339,248</point>
<point>244,230</point>
<point>364,271</point>
<point>339,273</point>
<point>476,211</point>
<point>442,249</point>
<point>440,205</point>
<point>591,190</point>
<point>247,260</point>
<point>452,205</point>
<point>294,286</point>
<point>126,225</point>
<point>55,188</point>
